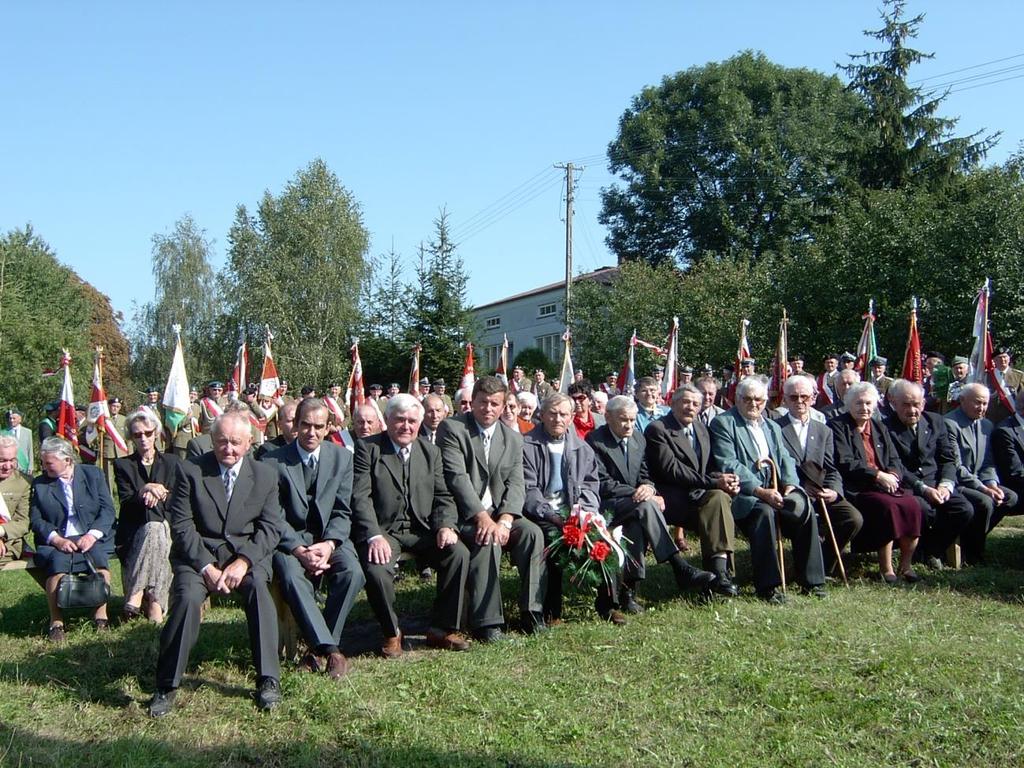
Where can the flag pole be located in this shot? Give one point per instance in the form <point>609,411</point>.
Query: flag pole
<point>101,459</point>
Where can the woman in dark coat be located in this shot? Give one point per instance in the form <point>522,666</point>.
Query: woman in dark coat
<point>144,482</point>
<point>72,516</point>
<point>874,479</point>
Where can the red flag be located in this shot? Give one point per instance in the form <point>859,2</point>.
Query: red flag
<point>354,395</point>
<point>414,372</point>
<point>912,359</point>
<point>468,376</point>
<point>67,421</point>
<point>98,415</point>
<point>983,368</point>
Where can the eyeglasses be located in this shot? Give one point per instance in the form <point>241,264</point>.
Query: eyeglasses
<point>799,397</point>
<point>139,435</point>
<point>580,398</point>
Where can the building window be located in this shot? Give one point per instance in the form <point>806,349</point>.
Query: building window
<point>550,345</point>
<point>493,322</point>
<point>547,310</point>
<point>492,355</point>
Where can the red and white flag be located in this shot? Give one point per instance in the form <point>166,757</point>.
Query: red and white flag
<point>983,369</point>
<point>502,370</point>
<point>912,358</point>
<point>780,363</point>
<point>354,394</point>
<point>98,415</point>
<point>468,376</point>
<point>742,353</point>
<point>237,380</point>
<point>671,379</point>
<point>67,420</point>
<point>270,382</point>
<point>414,372</point>
<point>627,376</point>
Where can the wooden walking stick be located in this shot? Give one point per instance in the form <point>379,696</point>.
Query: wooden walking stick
<point>778,520</point>
<point>835,544</point>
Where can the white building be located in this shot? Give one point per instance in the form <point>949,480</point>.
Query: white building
<point>532,319</point>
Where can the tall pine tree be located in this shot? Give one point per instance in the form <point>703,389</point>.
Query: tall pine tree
<point>906,142</point>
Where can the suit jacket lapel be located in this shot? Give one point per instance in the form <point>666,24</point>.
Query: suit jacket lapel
<point>476,439</point>
<point>392,462</point>
<point>790,436</point>
<point>615,451</point>
<point>294,469</point>
<point>215,487</point>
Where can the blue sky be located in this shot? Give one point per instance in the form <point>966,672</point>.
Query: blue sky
<point>122,117</point>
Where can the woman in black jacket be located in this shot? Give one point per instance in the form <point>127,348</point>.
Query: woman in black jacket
<point>143,541</point>
<point>874,479</point>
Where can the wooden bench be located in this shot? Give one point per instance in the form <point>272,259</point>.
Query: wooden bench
<point>26,564</point>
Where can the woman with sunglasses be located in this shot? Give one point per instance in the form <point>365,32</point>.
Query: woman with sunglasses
<point>143,540</point>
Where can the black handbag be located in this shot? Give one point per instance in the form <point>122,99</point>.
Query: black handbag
<point>82,590</point>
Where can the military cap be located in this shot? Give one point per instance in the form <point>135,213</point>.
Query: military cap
<point>114,401</point>
<point>687,369</point>
<point>215,384</point>
<point>438,383</point>
<point>747,361</point>
<point>960,360</point>
<point>847,357</point>
<point>376,386</point>
<point>879,360</point>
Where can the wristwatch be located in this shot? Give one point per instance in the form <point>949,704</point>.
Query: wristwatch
<point>505,524</point>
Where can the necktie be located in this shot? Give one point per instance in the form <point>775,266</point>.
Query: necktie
<point>976,431</point>
<point>624,444</point>
<point>487,446</point>
<point>404,454</point>
<point>229,483</point>
<point>309,471</point>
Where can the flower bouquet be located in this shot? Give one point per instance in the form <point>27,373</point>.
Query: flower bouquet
<point>588,550</point>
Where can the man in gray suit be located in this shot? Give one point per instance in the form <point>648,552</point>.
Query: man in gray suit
<point>560,471</point>
<point>976,471</point>
<point>315,485</point>
<point>400,503</point>
<point>810,444</point>
<point>627,488</point>
<point>225,522</point>
<point>483,468</point>
<point>742,441</point>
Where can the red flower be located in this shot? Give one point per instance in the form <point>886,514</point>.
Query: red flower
<point>600,551</point>
<point>572,536</point>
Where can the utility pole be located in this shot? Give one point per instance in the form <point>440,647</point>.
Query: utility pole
<point>568,168</point>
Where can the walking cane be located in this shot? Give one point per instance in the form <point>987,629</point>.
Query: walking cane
<point>778,521</point>
<point>835,544</point>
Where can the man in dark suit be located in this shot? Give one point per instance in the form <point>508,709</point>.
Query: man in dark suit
<point>928,454</point>
<point>559,472</point>
<point>315,488</point>
<point>285,430</point>
<point>742,442</point>
<point>225,523</point>
<point>627,488</point>
<point>976,473</point>
<point>678,456</point>
<point>845,379</point>
<point>810,444</point>
<point>400,503</point>
<point>434,412</point>
<point>483,468</point>
<point>1008,448</point>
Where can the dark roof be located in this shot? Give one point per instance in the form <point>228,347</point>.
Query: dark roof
<point>604,275</point>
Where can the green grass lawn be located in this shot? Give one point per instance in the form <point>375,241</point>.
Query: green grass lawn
<point>872,676</point>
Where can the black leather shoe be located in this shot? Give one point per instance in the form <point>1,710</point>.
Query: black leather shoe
<point>722,585</point>
<point>490,634</point>
<point>816,590</point>
<point>533,624</point>
<point>772,597</point>
<point>268,693</point>
<point>628,603</point>
<point>162,702</point>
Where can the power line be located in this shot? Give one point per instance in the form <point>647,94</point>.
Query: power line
<point>967,69</point>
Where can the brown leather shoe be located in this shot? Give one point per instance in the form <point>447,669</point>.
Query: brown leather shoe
<point>446,641</point>
<point>616,617</point>
<point>392,647</point>
<point>337,665</point>
<point>310,663</point>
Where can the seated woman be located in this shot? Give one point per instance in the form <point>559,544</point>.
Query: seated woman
<point>143,541</point>
<point>71,513</point>
<point>873,477</point>
<point>510,412</point>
